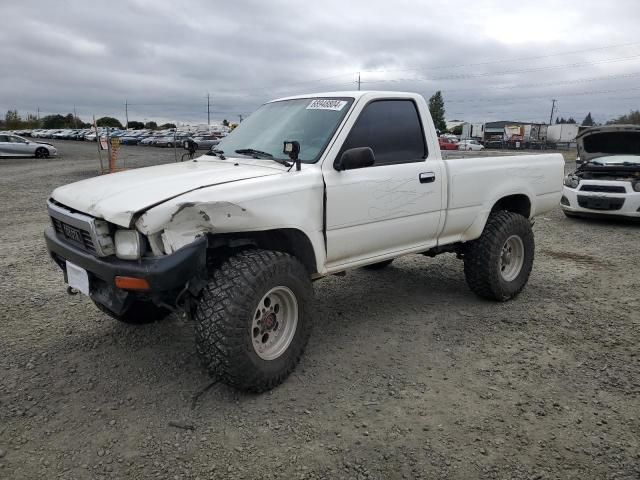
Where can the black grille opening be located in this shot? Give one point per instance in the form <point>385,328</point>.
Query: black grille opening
<point>595,203</point>
<point>603,188</point>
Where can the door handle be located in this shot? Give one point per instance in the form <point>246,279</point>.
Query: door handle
<point>427,177</point>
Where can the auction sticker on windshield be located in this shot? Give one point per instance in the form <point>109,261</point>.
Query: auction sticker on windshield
<point>326,104</point>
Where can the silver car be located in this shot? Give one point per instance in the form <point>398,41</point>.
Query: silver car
<point>15,146</point>
<point>203,142</point>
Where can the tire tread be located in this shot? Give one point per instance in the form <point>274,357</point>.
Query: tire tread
<point>480,269</point>
<point>225,305</point>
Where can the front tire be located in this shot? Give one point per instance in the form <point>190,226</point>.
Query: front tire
<point>498,264</point>
<point>42,153</point>
<point>253,319</point>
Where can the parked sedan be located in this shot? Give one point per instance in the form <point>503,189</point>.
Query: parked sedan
<point>470,145</point>
<point>203,142</point>
<point>170,141</point>
<point>15,146</point>
<point>447,144</point>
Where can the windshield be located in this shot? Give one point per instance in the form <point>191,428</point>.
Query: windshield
<point>312,122</point>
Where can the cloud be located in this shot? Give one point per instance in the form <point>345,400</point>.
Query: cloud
<point>492,60</point>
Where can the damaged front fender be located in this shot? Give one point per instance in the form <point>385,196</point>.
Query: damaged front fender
<point>181,224</point>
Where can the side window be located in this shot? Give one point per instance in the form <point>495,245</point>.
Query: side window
<point>392,129</point>
<point>4,138</point>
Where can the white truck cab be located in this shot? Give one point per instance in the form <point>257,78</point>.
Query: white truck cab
<point>305,187</point>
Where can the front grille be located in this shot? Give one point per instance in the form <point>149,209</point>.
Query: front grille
<point>603,188</point>
<point>83,231</point>
<point>85,241</point>
<point>597,203</point>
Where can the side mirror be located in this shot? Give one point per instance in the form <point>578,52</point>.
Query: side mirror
<point>355,158</point>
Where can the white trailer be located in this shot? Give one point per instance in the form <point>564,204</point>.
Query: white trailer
<point>562,133</point>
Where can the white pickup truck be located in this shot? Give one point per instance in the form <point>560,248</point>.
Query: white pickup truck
<point>306,187</point>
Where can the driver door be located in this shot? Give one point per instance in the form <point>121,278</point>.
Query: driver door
<point>18,146</point>
<point>394,205</point>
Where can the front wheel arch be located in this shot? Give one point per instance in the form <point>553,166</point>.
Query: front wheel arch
<point>287,240</point>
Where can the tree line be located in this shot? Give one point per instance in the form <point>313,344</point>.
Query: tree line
<point>13,121</point>
<point>437,110</point>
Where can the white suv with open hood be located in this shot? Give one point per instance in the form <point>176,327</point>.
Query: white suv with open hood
<point>607,179</point>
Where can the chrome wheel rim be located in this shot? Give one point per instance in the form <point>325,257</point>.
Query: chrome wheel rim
<point>274,323</point>
<point>511,258</point>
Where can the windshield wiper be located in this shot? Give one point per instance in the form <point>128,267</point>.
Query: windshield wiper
<point>260,154</point>
<point>217,153</point>
<point>254,153</point>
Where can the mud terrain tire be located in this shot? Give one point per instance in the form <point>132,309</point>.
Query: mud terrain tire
<point>248,298</point>
<point>497,265</point>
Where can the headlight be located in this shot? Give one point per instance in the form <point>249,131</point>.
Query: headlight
<point>571,181</point>
<point>129,244</point>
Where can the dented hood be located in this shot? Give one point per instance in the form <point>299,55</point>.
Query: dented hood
<point>607,141</point>
<point>117,197</point>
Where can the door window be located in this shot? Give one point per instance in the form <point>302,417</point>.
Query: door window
<point>392,129</point>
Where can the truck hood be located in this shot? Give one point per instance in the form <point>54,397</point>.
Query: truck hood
<point>118,197</point>
<point>607,141</point>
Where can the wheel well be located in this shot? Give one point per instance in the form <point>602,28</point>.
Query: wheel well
<point>288,240</point>
<point>519,203</point>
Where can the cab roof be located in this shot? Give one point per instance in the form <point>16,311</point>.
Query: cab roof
<point>349,93</point>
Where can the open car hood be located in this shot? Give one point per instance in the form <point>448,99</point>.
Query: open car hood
<point>607,141</point>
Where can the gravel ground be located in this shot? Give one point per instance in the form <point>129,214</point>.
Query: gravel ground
<point>407,375</point>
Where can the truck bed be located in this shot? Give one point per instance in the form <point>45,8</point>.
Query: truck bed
<point>477,182</point>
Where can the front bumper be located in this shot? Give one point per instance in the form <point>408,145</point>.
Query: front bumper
<point>165,275</point>
<point>611,204</point>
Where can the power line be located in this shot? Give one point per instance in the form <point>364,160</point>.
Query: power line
<point>530,97</point>
<point>465,76</point>
<point>503,60</point>
<point>545,84</point>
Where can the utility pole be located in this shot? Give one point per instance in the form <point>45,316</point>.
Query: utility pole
<point>240,118</point>
<point>358,81</point>
<point>75,117</point>
<point>208,110</point>
<point>38,113</point>
<point>95,129</point>
<point>553,107</point>
<point>126,113</point>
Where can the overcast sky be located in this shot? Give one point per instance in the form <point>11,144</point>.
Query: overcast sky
<point>493,60</point>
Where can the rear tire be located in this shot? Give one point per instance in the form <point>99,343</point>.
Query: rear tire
<point>139,313</point>
<point>379,265</point>
<point>498,264</point>
<point>253,319</point>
